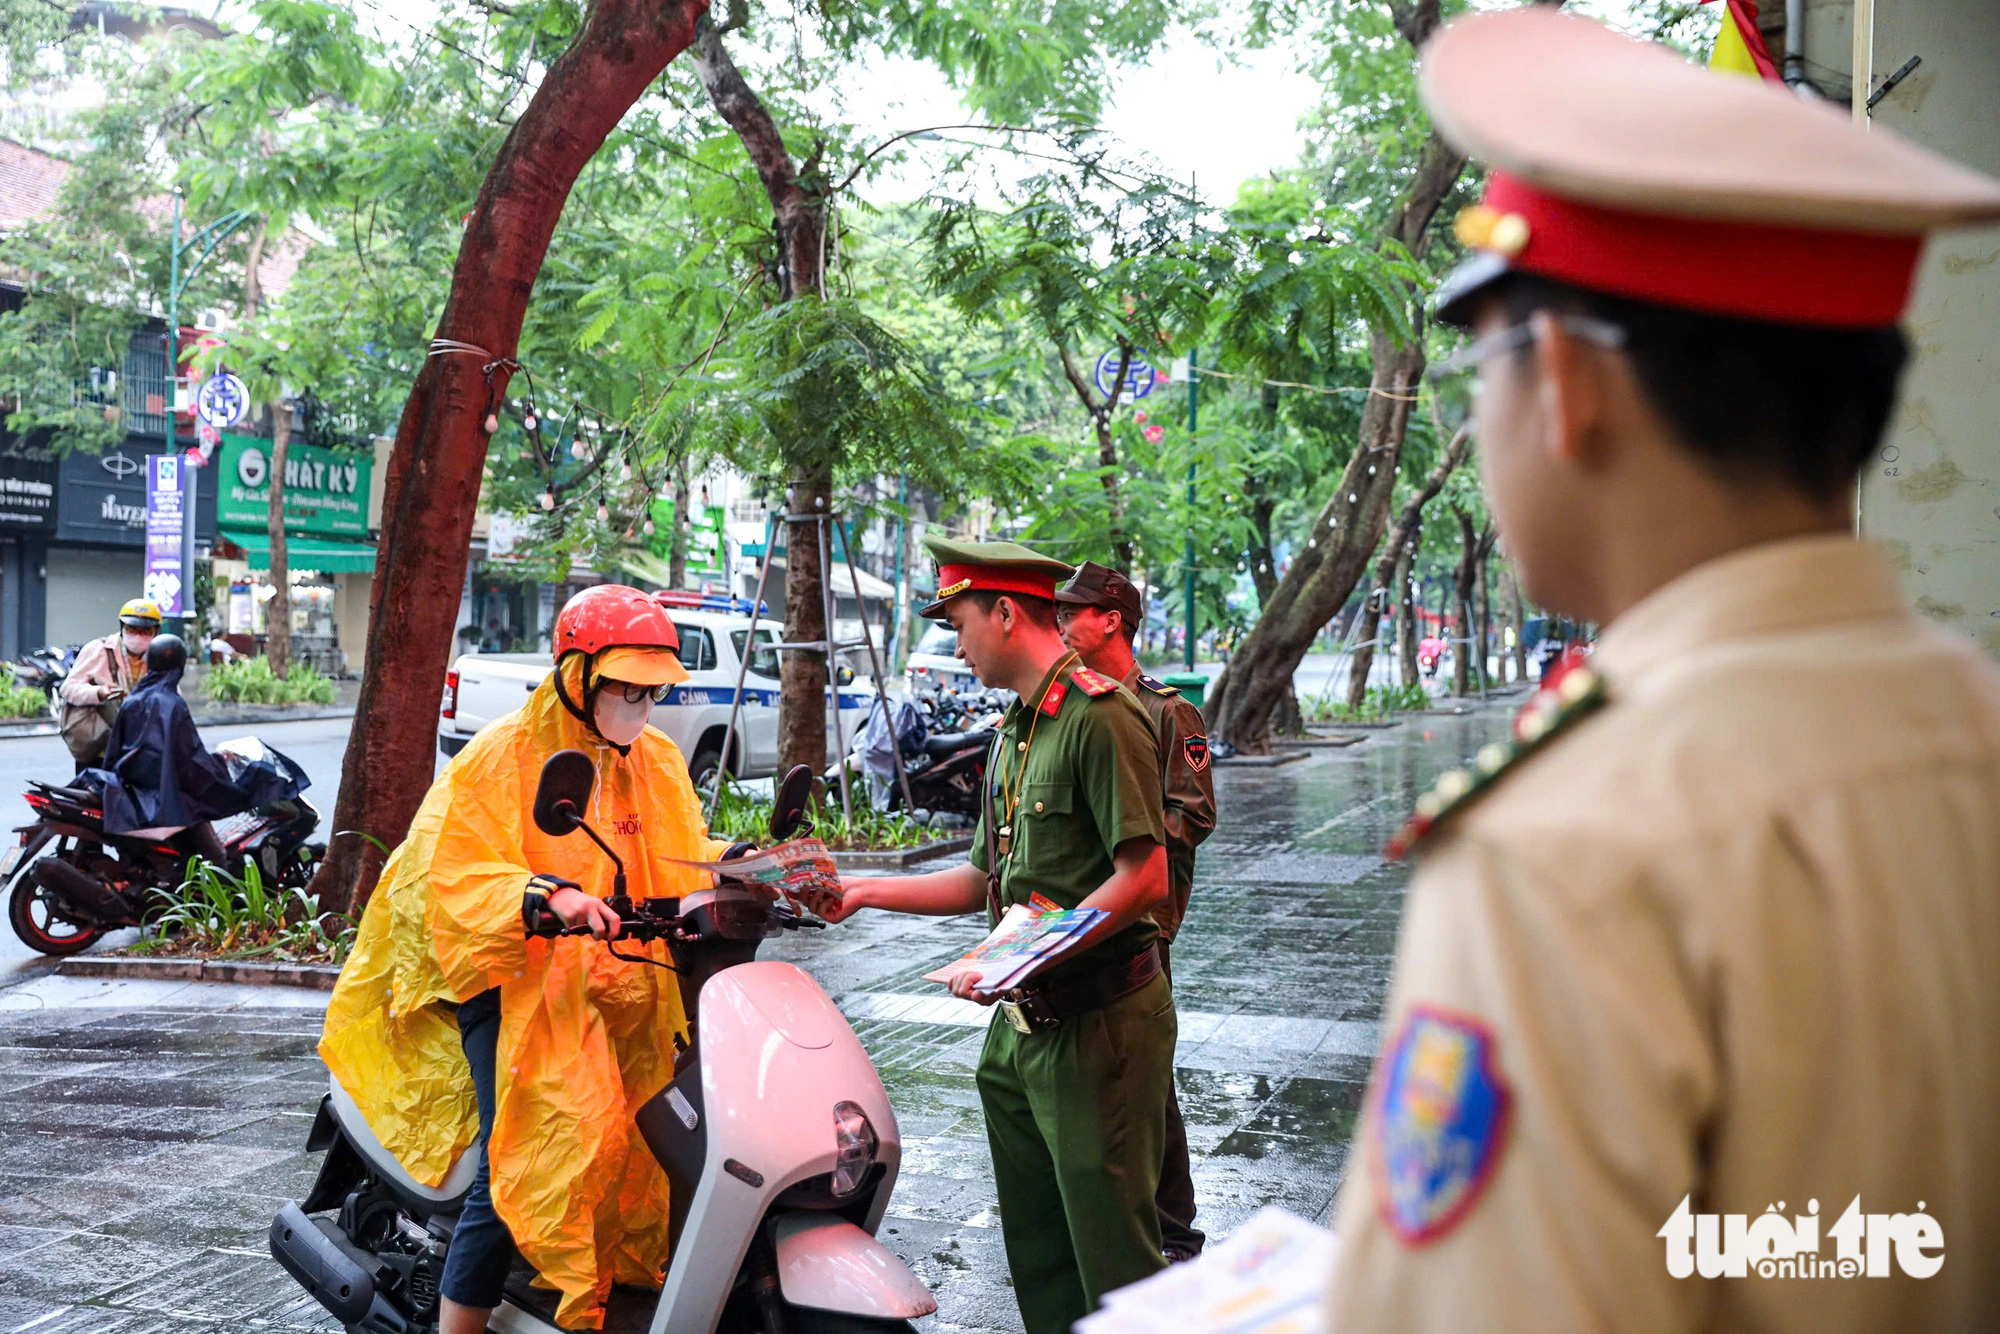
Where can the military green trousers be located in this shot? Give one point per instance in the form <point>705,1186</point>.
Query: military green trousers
<point>1076,1117</point>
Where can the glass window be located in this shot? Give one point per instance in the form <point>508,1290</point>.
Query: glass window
<point>764,662</point>
<point>697,649</point>
<point>939,640</point>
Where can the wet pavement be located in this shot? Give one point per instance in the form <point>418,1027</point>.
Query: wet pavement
<point>148,1133</point>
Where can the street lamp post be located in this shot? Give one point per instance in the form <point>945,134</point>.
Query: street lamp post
<point>177,282</point>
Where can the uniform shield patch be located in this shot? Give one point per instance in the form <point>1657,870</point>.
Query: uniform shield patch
<point>1441,1123</point>
<point>1197,752</point>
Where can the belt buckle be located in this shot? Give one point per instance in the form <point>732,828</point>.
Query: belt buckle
<point>1016,1016</point>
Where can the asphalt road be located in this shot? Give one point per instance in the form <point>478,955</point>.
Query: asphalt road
<point>319,746</point>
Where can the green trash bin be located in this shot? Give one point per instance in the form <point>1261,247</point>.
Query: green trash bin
<point>1192,686</point>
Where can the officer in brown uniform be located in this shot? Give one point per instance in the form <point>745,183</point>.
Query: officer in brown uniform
<point>1100,614</point>
<point>1695,1018</point>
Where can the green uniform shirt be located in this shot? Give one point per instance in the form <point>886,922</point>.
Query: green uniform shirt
<point>1092,780</point>
<point>1189,791</point>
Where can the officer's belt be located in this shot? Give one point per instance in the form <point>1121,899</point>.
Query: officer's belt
<point>1038,1009</point>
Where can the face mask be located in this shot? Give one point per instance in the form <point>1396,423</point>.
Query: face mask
<point>617,721</point>
<point>136,643</point>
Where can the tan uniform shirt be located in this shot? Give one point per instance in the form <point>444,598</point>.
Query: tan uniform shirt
<point>1190,788</point>
<point>1735,939</point>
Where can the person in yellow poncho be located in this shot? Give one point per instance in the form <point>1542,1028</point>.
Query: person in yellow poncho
<point>449,1027</point>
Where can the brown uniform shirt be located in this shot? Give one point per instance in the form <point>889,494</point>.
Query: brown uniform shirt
<point>1189,788</point>
<point>1734,940</point>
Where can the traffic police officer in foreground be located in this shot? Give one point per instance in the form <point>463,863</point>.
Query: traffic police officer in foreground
<point>1716,932</point>
<point>1100,613</point>
<point>1075,1072</point>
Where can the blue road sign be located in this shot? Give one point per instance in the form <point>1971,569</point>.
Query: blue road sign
<point>1139,376</point>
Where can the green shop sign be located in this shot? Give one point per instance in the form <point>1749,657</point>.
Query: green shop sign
<point>326,491</point>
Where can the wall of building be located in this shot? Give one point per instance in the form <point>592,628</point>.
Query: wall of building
<point>86,589</point>
<point>1933,496</point>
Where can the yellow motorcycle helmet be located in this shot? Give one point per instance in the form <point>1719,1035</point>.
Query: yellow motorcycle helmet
<point>141,614</point>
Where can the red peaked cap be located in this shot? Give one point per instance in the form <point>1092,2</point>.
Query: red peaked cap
<point>1749,270</point>
<point>1619,167</point>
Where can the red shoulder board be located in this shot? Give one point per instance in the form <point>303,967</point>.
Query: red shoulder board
<point>1093,683</point>
<point>1053,700</point>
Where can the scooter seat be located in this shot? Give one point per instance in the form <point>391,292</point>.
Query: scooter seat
<point>443,1196</point>
<point>950,743</point>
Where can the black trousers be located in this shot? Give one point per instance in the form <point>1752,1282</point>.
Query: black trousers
<point>1175,1197</point>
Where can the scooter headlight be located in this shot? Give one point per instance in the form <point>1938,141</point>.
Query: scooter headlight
<point>854,1147</point>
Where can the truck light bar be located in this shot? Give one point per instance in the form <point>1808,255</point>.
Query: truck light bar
<point>673,597</point>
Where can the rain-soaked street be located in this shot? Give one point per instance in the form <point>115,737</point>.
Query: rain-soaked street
<point>149,1131</point>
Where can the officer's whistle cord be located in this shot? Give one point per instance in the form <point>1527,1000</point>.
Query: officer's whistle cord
<point>1010,795</point>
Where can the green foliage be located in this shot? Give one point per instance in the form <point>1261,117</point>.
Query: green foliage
<point>251,681</point>
<point>222,916</point>
<point>21,702</point>
<point>743,816</point>
<point>1376,705</point>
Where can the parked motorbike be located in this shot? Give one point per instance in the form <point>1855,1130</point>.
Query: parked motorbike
<point>943,740</point>
<point>43,669</point>
<point>776,1136</point>
<point>69,880</point>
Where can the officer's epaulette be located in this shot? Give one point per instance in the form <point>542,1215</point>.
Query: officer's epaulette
<point>1092,683</point>
<point>1157,687</point>
<point>1578,694</point>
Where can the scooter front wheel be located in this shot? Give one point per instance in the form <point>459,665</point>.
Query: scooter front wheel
<point>38,924</point>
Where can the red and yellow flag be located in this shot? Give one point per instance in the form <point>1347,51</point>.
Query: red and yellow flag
<point>1739,47</point>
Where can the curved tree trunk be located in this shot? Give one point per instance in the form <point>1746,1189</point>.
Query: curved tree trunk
<point>1107,447</point>
<point>434,470</point>
<point>677,540</point>
<point>798,220</point>
<point>1396,555</point>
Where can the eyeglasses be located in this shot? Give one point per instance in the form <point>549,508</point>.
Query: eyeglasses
<point>1455,379</point>
<point>1516,336</point>
<point>635,694</point>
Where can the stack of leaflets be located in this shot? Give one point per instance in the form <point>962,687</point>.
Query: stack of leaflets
<point>802,870</point>
<point>1269,1277</point>
<point>1023,941</point>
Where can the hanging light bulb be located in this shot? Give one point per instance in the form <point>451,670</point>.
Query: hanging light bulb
<point>492,423</point>
<point>624,472</point>
<point>548,501</point>
<point>576,449</point>
<point>603,513</point>
<point>649,527</point>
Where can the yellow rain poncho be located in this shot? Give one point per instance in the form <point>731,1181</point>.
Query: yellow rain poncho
<point>584,1038</point>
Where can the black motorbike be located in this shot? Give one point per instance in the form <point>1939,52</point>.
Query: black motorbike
<point>69,880</point>
<point>943,740</point>
<point>43,669</point>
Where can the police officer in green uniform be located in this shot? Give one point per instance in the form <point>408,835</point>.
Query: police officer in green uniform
<point>1099,612</point>
<point>1076,1070</point>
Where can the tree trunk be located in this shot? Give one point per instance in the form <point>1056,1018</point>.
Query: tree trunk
<point>278,614</point>
<point>677,541</point>
<point>1107,447</point>
<point>432,484</point>
<point>1324,573</point>
<point>1484,590</point>
<point>1520,622</point>
<point>1396,553</point>
<point>798,206</point>
<point>1406,610</point>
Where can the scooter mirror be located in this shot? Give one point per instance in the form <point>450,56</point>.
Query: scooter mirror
<point>789,807</point>
<point>564,792</point>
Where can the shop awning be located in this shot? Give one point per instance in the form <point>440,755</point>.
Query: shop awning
<point>305,553</point>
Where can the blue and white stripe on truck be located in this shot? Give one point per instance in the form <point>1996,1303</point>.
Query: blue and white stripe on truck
<point>702,696</point>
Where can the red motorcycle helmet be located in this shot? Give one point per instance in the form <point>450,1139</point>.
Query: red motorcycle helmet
<point>612,616</point>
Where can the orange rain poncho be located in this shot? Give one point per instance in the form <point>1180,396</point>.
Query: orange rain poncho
<point>584,1038</point>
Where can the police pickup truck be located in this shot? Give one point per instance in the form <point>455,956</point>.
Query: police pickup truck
<point>715,636</point>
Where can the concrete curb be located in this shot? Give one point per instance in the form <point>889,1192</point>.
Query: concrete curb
<point>1263,761</point>
<point>248,713</point>
<point>1356,727</point>
<point>1316,742</point>
<point>313,976</point>
<point>901,859</point>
